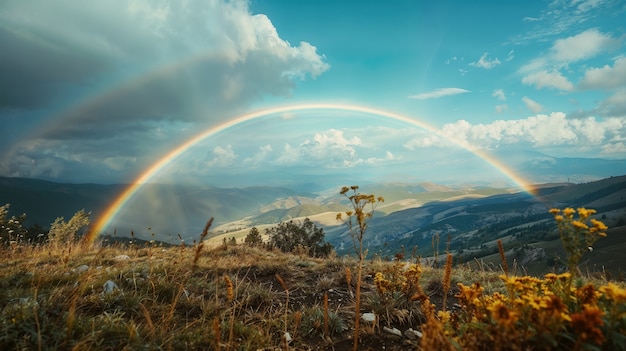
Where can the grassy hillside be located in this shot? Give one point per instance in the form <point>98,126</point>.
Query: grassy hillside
<point>247,298</point>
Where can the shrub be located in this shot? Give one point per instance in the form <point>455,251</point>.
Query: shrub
<point>289,236</point>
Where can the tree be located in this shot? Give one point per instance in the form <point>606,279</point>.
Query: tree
<point>254,237</point>
<point>62,233</point>
<point>288,236</point>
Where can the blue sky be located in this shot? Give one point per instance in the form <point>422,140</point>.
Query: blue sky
<point>96,92</point>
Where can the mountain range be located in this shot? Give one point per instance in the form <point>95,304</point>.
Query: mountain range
<point>421,218</point>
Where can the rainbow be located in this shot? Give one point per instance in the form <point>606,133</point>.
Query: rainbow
<point>118,203</point>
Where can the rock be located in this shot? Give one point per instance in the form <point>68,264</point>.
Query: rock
<point>368,317</point>
<point>413,334</point>
<point>393,331</point>
<point>122,257</point>
<point>287,337</point>
<point>109,286</point>
<point>81,268</point>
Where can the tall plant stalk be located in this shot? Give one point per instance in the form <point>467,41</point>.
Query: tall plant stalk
<point>363,206</point>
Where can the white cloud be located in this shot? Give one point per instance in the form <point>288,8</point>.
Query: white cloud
<point>535,131</point>
<point>615,105</point>
<point>485,63</point>
<point>510,55</point>
<point>545,79</point>
<point>222,157</point>
<point>532,104</point>
<point>332,149</point>
<point>260,156</point>
<point>581,46</point>
<point>561,16</point>
<point>502,108</point>
<point>499,94</point>
<point>437,93</point>
<point>614,148</point>
<point>547,71</point>
<point>606,77</point>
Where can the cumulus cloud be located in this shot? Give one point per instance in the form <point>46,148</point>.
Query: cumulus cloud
<point>260,156</point>
<point>545,79</point>
<point>532,105</point>
<point>539,131</point>
<point>332,149</point>
<point>486,63</point>
<point>221,157</point>
<point>126,68</point>
<point>581,46</point>
<point>547,71</point>
<point>606,77</point>
<point>437,93</point>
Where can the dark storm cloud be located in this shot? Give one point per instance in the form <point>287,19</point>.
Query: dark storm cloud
<point>114,82</point>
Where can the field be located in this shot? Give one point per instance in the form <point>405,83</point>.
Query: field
<point>238,297</point>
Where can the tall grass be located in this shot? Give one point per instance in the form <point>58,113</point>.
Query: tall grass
<point>237,297</point>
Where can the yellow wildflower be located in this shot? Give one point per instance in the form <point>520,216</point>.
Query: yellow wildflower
<point>569,212</point>
<point>586,295</point>
<point>550,278</point>
<point>614,292</point>
<point>554,211</point>
<point>584,213</point>
<point>502,314</point>
<point>579,225</point>
<point>598,224</point>
<point>467,294</point>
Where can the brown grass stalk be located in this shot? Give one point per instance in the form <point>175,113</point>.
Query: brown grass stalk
<point>146,315</point>
<point>326,314</point>
<point>216,333</point>
<point>447,275</point>
<point>505,267</point>
<point>200,245</point>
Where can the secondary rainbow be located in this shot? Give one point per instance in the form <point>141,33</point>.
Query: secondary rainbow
<point>116,206</point>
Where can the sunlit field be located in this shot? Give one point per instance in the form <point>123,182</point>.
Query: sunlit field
<point>252,294</point>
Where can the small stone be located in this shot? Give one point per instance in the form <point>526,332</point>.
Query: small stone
<point>413,334</point>
<point>122,257</point>
<point>109,286</point>
<point>393,331</point>
<point>287,337</point>
<point>369,317</point>
<point>81,268</point>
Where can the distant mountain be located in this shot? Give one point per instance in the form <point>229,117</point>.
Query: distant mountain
<point>412,216</point>
<point>44,201</point>
<point>472,225</point>
<point>164,209</point>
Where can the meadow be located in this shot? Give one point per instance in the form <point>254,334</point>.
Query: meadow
<point>237,296</point>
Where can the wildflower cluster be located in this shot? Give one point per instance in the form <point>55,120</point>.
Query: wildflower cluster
<point>397,288</point>
<point>399,278</point>
<point>577,234</point>
<point>533,311</point>
<point>539,312</point>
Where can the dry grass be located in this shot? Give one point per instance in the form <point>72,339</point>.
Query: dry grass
<point>219,298</point>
